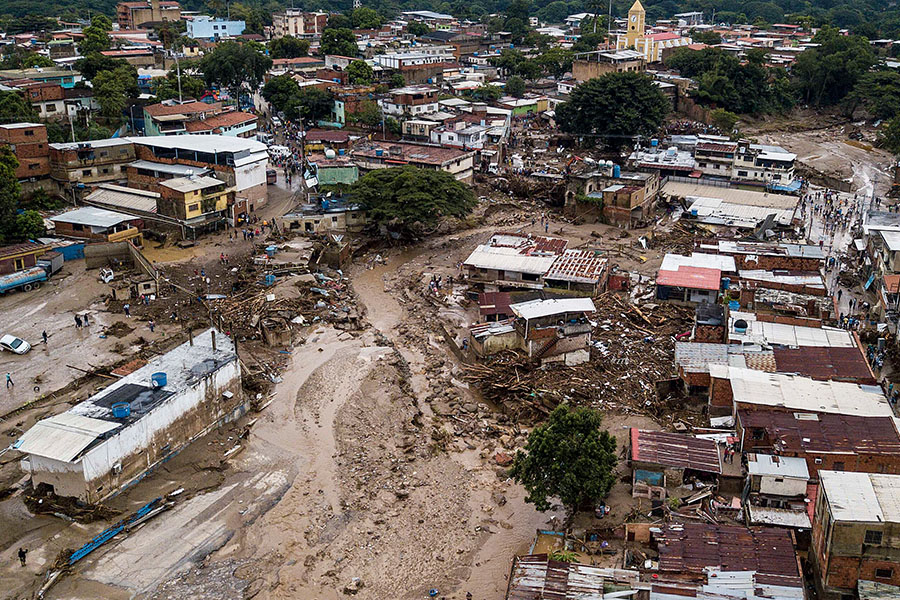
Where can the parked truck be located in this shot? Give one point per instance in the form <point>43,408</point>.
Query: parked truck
<point>27,280</point>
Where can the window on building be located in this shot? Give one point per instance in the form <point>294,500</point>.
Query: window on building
<point>742,173</point>
<point>838,466</point>
<point>86,173</point>
<point>29,133</point>
<point>51,108</point>
<point>884,573</point>
<point>873,537</point>
<point>193,207</point>
<point>19,264</point>
<point>104,154</point>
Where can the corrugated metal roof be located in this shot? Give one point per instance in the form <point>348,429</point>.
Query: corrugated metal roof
<point>536,577</point>
<point>719,212</point>
<point>802,393</point>
<point>92,216</point>
<point>577,266</point>
<point>693,547</point>
<point>672,262</point>
<point>123,197</point>
<point>781,466</point>
<point>508,259</point>
<point>694,278</point>
<point>180,170</point>
<point>534,309</point>
<point>768,333</point>
<point>696,357</point>
<point>854,497</point>
<point>875,590</point>
<point>828,363</point>
<point>675,450</point>
<point>64,436</point>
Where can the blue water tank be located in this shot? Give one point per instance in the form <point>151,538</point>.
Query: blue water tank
<point>379,152</point>
<point>270,279</point>
<point>340,152</point>
<point>740,326</point>
<point>121,410</point>
<point>270,251</point>
<point>617,171</point>
<point>726,283</point>
<point>158,379</point>
<point>654,143</point>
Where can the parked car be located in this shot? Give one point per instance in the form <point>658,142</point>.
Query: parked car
<point>14,344</point>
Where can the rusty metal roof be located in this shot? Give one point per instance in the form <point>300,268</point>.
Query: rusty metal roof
<point>675,450</point>
<point>692,547</point>
<point>825,363</point>
<point>535,577</point>
<point>824,432</point>
<point>579,266</point>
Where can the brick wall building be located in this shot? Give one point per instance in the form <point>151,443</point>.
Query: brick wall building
<point>28,142</point>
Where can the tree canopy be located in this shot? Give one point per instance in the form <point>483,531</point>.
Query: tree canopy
<point>14,108</point>
<point>515,86</point>
<point>112,89</point>
<point>416,28</point>
<point>231,65</point>
<point>569,457</point>
<point>96,35</point>
<point>876,92</point>
<point>166,88</point>
<point>825,74</point>
<point>286,96</point>
<point>615,104</point>
<point>288,47</point>
<point>411,201</point>
<point>365,18</point>
<point>723,81</point>
<point>360,73</point>
<point>341,42</point>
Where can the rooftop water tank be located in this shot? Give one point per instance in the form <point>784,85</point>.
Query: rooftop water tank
<point>341,152</point>
<point>329,153</point>
<point>740,326</point>
<point>654,143</point>
<point>121,410</point>
<point>379,152</point>
<point>617,171</point>
<point>158,380</point>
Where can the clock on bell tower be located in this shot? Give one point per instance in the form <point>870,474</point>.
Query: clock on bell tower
<point>635,24</point>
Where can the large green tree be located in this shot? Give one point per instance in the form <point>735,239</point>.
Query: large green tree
<point>9,194</point>
<point>232,66</point>
<point>569,457</point>
<point>112,90</point>
<point>286,96</point>
<point>365,18</point>
<point>15,109</point>
<point>166,88</point>
<point>288,47</point>
<point>360,73</point>
<point>411,201</point>
<point>825,74</point>
<point>339,42</point>
<point>96,35</point>
<point>616,105</point>
<point>876,92</point>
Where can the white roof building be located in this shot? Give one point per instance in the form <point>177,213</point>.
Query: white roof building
<point>765,333</point>
<point>861,497</point>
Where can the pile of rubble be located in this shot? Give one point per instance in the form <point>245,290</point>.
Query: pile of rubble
<point>632,351</point>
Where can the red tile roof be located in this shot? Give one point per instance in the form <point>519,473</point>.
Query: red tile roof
<point>695,278</point>
<point>663,37</point>
<point>158,110</point>
<point>228,119</point>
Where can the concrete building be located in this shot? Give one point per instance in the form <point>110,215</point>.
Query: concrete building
<point>555,331</point>
<point>239,162</point>
<point>692,279</point>
<point>197,201</point>
<point>411,101</point>
<point>172,117</point>
<point>856,532</point>
<point>651,45</point>
<point>28,141</point>
<point>113,438</point>
<point>134,15</point>
<point>590,65</point>
<point>297,23</point>
<point>18,257</point>
<point>98,225</point>
<point>202,27</point>
<point>381,155</point>
<point>88,163</point>
<point>63,77</point>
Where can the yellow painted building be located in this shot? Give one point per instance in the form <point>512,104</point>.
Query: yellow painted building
<point>652,45</point>
<point>194,198</point>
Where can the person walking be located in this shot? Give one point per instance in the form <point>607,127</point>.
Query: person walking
<point>152,325</point>
<point>44,337</point>
<point>9,381</point>
<point>127,309</point>
<point>23,554</point>
<point>77,322</point>
<point>84,318</point>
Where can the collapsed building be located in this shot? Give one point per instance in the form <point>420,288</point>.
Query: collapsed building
<point>112,439</point>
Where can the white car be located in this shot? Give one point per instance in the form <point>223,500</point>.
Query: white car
<point>14,344</point>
